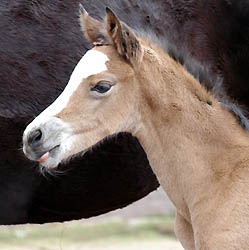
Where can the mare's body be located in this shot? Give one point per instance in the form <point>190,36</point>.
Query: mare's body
<point>40,45</point>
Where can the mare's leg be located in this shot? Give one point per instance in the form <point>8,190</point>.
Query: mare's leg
<point>184,232</point>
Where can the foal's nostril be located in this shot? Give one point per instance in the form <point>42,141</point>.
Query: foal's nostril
<point>35,137</point>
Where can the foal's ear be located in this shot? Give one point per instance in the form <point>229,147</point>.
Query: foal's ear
<point>123,38</point>
<point>93,29</point>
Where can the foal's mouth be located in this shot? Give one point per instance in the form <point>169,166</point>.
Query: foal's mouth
<point>44,156</point>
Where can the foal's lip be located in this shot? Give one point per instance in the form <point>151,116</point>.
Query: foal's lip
<point>45,156</point>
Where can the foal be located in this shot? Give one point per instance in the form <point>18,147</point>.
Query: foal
<point>195,146</point>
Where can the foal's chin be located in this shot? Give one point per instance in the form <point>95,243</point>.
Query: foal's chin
<point>50,163</point>
<point>60,157</point>
<point>53,161</point>
<point>64,157</point>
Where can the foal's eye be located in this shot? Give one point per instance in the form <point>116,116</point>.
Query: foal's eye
<point>102,87</point>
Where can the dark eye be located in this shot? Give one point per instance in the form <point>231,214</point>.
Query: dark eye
<point>101,87</point>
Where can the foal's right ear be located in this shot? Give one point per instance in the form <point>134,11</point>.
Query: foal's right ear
<point>93,30</point>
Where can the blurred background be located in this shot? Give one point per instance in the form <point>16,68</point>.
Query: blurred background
<point>145,225</point>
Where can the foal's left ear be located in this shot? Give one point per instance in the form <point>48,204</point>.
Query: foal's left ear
<point>124,40</point>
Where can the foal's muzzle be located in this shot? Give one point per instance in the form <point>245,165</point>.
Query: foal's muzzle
<point>44,138</point>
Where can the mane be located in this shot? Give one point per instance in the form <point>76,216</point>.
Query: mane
<point>202,73</point>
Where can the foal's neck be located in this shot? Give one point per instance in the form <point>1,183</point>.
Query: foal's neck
<point>190,139</point>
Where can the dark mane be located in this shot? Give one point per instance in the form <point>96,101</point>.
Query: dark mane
<point>210,81</point>
<point>205,76</point>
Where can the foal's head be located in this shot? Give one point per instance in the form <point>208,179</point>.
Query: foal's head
<point>102,96</point>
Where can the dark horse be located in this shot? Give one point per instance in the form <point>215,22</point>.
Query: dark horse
<point>40,44</point>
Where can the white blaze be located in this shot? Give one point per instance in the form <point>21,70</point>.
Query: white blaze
<point>93,62</point>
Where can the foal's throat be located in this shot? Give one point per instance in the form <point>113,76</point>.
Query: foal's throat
<point>188,137</point>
